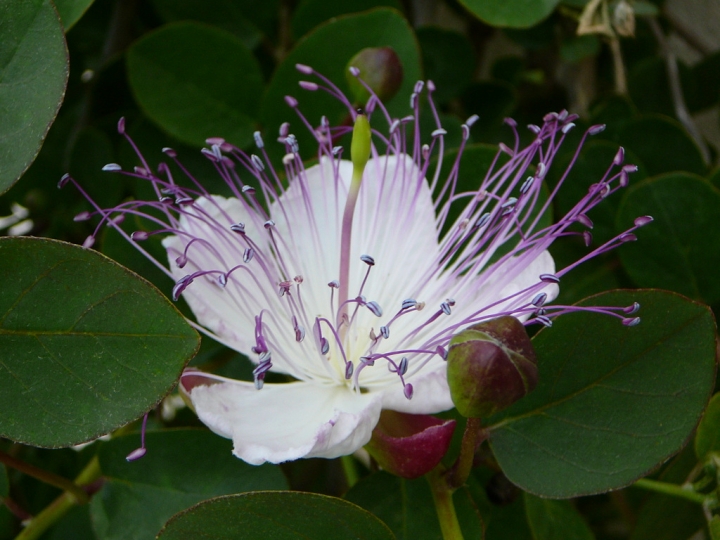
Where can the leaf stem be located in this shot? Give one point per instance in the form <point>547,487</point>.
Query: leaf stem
<point>45,476</point>
<point>60,506</point>
<point>444,506</point>
<point>673,490</point>
<point>460,471</point>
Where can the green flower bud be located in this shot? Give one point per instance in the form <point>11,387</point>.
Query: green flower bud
<point>380,69</point>
<point>490,366</point>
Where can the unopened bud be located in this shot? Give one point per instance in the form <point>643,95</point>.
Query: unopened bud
<point>490,366</point>
<point>380,69</point>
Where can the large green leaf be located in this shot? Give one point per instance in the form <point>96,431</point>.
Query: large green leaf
<point>612,402</point>
<point>511,13</point>
<point>406,506</point>
<point>71,11</point>
<point>85,345</point>
<point>555,520</point>
<point>680,250</point>
<point>311,13</point>
<point>181,468</point>
<point>707,438</point>
<point>281,516</point>
<point>33,75</point>
<point>195,82</point>
<point>328,49</point>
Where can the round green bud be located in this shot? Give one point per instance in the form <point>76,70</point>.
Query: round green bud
<point>380,68</point>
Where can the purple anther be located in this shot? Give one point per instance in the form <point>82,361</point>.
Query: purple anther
<point>509,203</point>
<point>597,128</point>
<point>507,211</point>
<point>540,311</point>
<point>445,307</point>
<point>334,284</point>
<point>527,184</point>
<point>441,352</point>
<point>298,279</point>
<point>572,118</point>
<point>632,309</point>
<point>180,286</point>
<point>634,321</point>
<point>112,167</point>
<point>117,220</point>
<point>337,150</point>
<point>535,129</point>
<point>248,255</point>
<point>510,122</point>
<point>258,139</point>
<point>259,382</point>
<point>299,333</point>
<point>549,278</point>
<point>549,117</point>
<point>563,115</point>
<point>413,100</point>
<point>409,303</point>
<point>624,179</point>
<point>184,201</point>
<point>139,236</point>
<point>305,70</point>
<point>257,163</point>
<point>307,85</point>
<point>355,72</point>
<point>82,216</point>
<point>542,319</point>
<point>375,308</point>
<point>438,132</point>
<point>209,154</point>
<point>408,390</point>
<point>324,346</point>
<point>167,200</point>
<point>584,220</point>
<point>385,332</point>
<point>643,220</point>
<point>425,150</point>
<point>539,299</point>
<point>430,86</point>
<point>248,189</point>
<point>505,148</point>
<point>291,101</point>
<point>291,141</point>
<point>619,157</point>
<point>402,368</point>
<point>367,259</point>
<point>64,179</point>
<point>627,237</point>
<point>471,121</point>
<point>211,141</point>
<point>284,287</point>
<point>181,261</point>
<point>169,152</point>
<point>630,168</point>
<point>587,238</point>
<point>393,126</point>
<point>89,241</point>
<point>222,280</point>
<point>465,132</point>
<point>238,228</point>
<point>349,368</point>
<point>261,369</point>
<point>567,127</point>
<point>541,170</point>
<point>121,125</point>
<point>483,220</point>
<point>136,454</point>
<point>418,87</point>
<point>269,224</point>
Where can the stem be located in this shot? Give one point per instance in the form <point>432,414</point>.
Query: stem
<point>619,66</point>
<point>45,476</point>
<point>60,506</point>
<point>442,496</point>
<point>671,489</point>
<point>351,474</point>
<point>461,469</point>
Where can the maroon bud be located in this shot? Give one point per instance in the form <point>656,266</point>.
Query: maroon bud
<point>490,366</point>
<point>410,445</point>
<point>379,68</point>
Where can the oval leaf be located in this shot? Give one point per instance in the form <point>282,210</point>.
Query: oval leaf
<point>71,11</point>
<point>278,515</point>
<point>680,250</point>
<point>85,345</point>
<point>181,468</point>
<point>613,402</point>
<point>510,13</point>
<point>33,73</point>
<point>195,82</point>
<point>707,438</point>
<point>555,520</point>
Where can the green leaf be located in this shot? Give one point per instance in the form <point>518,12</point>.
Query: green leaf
<point>662,144</point>
<point>406,506</point>
<point>33,75</point>
<point>181,468</point>
<point>328,49</point>
<point>4,484</point>
<point>555,520</point>
<point>707,438</point>
<point>71,11</point>
<point>85,345</point>
<point>195,82</point>
<point>612,402</point>
<point>229,15</point>
<point>680,250</point>
<point>281,516</point>
<point>511,13</point>
<point>311,13</point>
<point>438,45</point>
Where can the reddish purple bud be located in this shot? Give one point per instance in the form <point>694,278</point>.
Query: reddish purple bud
<point>490,366</point>
<point>410,445</point>
<point>380,68</point>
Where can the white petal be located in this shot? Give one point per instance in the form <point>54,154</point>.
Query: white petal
<point>283,422</point>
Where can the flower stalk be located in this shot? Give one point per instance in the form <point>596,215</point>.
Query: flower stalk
<point>444,506</point>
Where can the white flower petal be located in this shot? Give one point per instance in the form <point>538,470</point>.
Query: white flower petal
<point>283,422</point>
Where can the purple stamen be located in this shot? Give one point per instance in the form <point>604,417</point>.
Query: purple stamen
<point>139,452</point>
<point>408,390</point>
<point>631,321</point>
<point>112,167</point>
<point>549,278</point>
<point>632,309</point>
<point>374,308</point>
